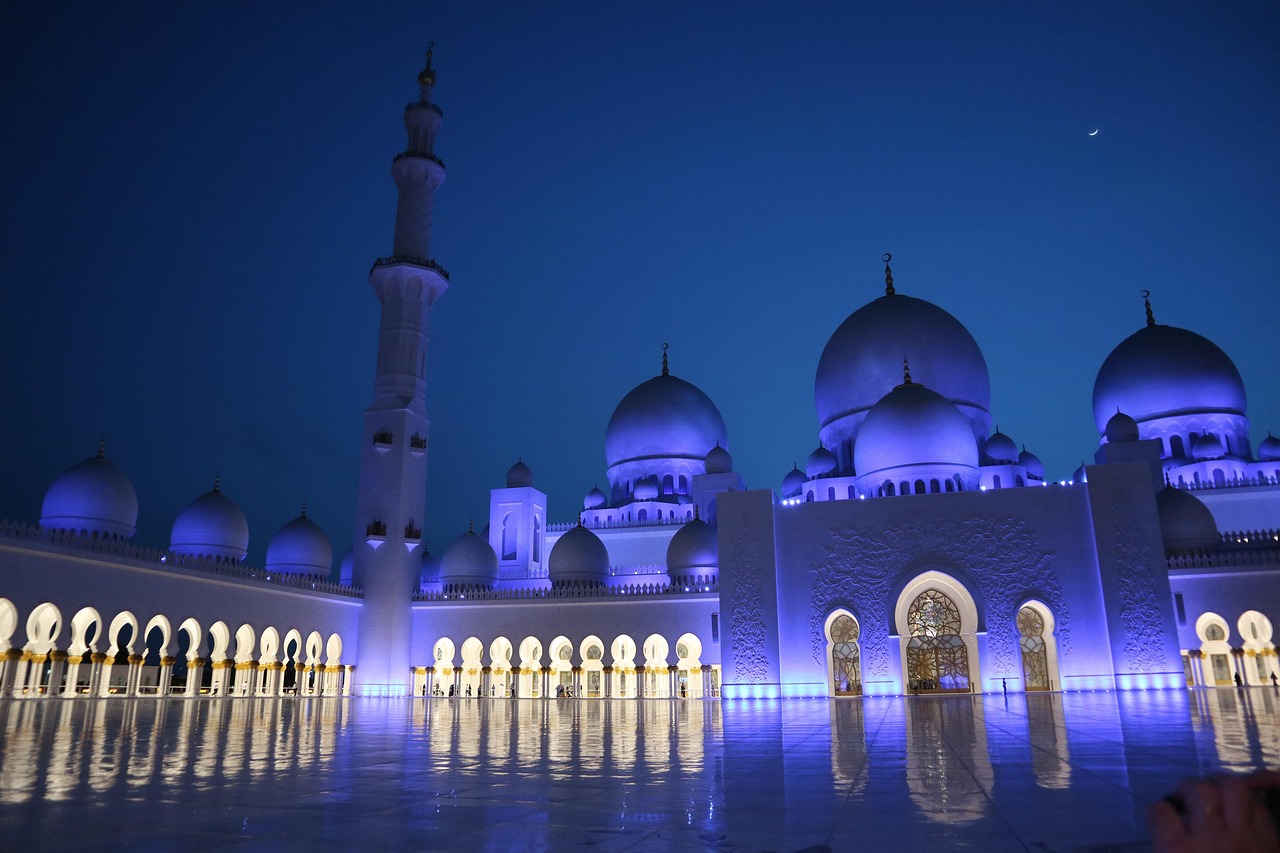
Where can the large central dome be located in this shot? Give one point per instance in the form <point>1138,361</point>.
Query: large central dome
<point>863,361</point>
<point>663,428</point>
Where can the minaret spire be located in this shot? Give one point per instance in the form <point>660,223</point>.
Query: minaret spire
<point>888,275</point>
<point>1146,301</point>
<point>906,376</point>
<point>665,370</point>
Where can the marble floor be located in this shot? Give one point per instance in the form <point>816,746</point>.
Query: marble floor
<point>1046,772</point>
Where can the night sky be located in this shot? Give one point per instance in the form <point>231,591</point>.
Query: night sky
<point>193,195</point>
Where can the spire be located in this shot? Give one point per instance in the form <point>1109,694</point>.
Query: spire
<point>665,371</point>
<point>1151,318</point>
<point>217,484</point>
<point>888,275</point>
<point>427,76</point>
<point>102,448</point>
<point>695,513</point>
<point>471,526</point>
<point>906,376</point>
<point>304,510</point>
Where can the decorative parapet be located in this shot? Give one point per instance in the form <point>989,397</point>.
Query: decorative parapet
<point>421,155</point>
<point>560,527</point>
<point>410,259</point>
<point>420,105</point>
<point>165,561</point>
<point>1235,482</point>
<point>1252,558</point>
<point>709,586</point>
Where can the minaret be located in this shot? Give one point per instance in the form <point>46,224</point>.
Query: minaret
<point>393,458</point>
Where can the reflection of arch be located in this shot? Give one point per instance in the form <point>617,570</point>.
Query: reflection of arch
<point>689,667</point>
<point>1260,652</point>
<point>844,660</point>
<point>948,762</point>
<point>657,682</point>
<point>937,620</point>
<point>623,652</point>
<point>1215,649</point>
<point>1038,646</point>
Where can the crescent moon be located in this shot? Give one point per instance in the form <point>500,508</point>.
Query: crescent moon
<point>1095,133</point>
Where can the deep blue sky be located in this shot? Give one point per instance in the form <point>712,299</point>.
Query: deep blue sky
<point>193,195</point>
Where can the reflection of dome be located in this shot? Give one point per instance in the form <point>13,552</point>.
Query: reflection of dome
<point>664,425</point>
<point>863,361</point>
<point>1120,428</point>
<point>1000,449</point>
<point>300,547</point>
<point>1164,371</point>
<point>694,549</point>
<point>519,476</point>
<point>211,526</point>
<point>820,463</point>
<point>578,555</point>
<point>94,497</point>
<point>1208,447</point>
<point>430,568</point>
<point>914,426</point>
<point>793,482</point>
<point>469,561</point>
<point>1269,450</point>
<point>1032,463</point>
<point>719,461</point>
<point>1186,523</point>
<point>594,499</point>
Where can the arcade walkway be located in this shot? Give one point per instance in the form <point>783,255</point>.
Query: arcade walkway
<point>1041,772</point>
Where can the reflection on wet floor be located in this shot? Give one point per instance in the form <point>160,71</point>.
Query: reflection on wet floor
<point>1040,771</point>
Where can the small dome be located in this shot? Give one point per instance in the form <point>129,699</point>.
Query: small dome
<point>1120,428</point>
<point>430,568</point>
<point>1208,446</point>
<point>647,489</point>
<point>1163,371</point>
<point>719,461</point>
<point>1000,449</point>
<point>1080,475</point>
<point>347,568</point>
<point>300,547</point>
<point>1032,463</point>
<point>519,476</point>
<point>594,499</point>
<point>211,526</point>
<point>693,550</point>
<point>93,497</point>
<point>1269,450</point>
<point>1185,522</point>
<point>913,426</point>
<point>793,483</point>
<point>469,561</point>
<point>578,555</point>
<point>820,463</point>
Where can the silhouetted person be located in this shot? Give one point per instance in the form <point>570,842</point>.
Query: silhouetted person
<point>1239,680</point>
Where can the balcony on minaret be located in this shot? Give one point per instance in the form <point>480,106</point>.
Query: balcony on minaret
<point>382,441</point>
<point>375,534</point>
<point>412,536</point>
<point>422,154</point>
<point>409,259</point>
<point>417,444</point>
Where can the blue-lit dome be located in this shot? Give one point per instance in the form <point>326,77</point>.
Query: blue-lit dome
<point>660,423</point>
<point>820,463</point>
<point>719,461</point>
<point>1269,450</point>
<point>594,499</point>
<point>211,526</point>
<point>1000,449</point>
<point>300,547</point>
<point>863,361</point>
<point>519,476</point>
<point>93,497</point>
<point>914,426</point>
<point>793,483</point>
<point>1032,463</point>
<point>469,561</point>
<point>1120,428</point>
<point>1208,447</point>
<point>578,555</point>
<point>695,549</point>
<point>1163,371</point>
<point>1185,522</point>
<point>647,489</point>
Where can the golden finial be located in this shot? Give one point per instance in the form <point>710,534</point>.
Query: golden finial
<point>1146,301</point>
<point>427,76</point>
<point>906,376</point>
<point>888,275</point>
<point>665,371</point>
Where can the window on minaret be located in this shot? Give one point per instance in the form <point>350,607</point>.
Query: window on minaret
<point>509,536</point>
<point>537,539</point>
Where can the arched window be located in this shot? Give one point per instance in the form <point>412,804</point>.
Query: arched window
<point>537,539</point>
<point>887,488</point>
<point>934,487</point>
<point>684,485</point>
<point>950,486</point>
<point>904,488</point>
<point>1018,481</point>
<point>642,515</point>
<point>919,487</point>
<point>831,493</point>
<point>1035,657</point>
<point>509,536</point>
<point>846,665</point>
<point>668,484</point>
<point>937,659</point>
<point>808,498</point>
<point>995,481</point>
<point>1175,447</point>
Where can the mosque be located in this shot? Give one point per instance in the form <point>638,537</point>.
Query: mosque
<point>918,551</point>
